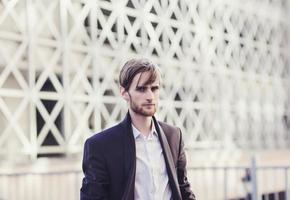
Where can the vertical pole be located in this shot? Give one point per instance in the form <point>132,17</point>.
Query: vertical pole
<point>32,81</point>
<point>254,179</point>
<point>286,183</point>
<point>225,183</point>
<point>66,126</point>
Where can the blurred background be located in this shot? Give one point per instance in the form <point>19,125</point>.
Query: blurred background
<point>225,68</point>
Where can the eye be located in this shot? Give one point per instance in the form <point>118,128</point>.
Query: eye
<point>141,88</point>
<point>155,88</point>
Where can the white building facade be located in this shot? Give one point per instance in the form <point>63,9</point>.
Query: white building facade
<point>225,68</point>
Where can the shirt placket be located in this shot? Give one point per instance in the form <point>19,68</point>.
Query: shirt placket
<point>152,161</point>
<point>148,153</point>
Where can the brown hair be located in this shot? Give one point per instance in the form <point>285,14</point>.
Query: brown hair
<point>134,66</point>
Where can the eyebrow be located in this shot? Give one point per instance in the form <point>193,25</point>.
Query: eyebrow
<point>144,86</point>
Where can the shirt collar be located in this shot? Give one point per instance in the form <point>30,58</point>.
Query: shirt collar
<point>137,133</point>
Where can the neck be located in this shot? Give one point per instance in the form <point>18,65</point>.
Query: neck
<point>142,123</point>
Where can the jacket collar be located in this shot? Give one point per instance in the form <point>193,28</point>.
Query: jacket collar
<point>168,160</point>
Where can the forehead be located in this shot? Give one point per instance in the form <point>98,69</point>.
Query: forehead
<point>143,78</point>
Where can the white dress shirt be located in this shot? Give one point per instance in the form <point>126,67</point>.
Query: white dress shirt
<point>151,181</point>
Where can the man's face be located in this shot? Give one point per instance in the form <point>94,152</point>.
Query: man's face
<point>143,99</point>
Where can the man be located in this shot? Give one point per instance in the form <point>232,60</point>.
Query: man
<point>140,158</point>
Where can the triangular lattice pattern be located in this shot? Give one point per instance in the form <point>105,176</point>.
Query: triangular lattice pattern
<point>225,70</point>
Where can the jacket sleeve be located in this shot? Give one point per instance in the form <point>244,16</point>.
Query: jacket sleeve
<point>184,185</point>
<point>95,182</point>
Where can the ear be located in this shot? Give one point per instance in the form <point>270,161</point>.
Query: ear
<point>124,93</point>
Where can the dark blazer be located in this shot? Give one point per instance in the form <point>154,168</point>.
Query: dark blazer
<point>109,163</point>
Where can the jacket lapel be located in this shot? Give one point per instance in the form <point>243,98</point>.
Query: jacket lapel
<point>129,158</point>
<point>168,160</point>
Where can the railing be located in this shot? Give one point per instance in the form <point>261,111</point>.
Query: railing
<point>209,183</point>
<point>241,182</point>
<point>40,186</point>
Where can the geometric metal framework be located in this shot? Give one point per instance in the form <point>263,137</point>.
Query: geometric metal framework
<point>225,68</point>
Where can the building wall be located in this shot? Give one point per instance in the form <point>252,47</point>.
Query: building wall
<point>225,71</point>
<point>226,82</point>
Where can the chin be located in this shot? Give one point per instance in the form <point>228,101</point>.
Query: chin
<point>145,112</point>
<point>149,114</point>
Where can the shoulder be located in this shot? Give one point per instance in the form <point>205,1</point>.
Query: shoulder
<point>106,136</point>
<point>171,132</point>
<point>174,139</point>
<point>167,128</point>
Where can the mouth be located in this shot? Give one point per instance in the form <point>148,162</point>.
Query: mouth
<point>148,104</point>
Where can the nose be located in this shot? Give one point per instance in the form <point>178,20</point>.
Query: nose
<point>149,95</point>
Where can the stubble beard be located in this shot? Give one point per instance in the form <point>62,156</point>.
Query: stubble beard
<point>141,111</point>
